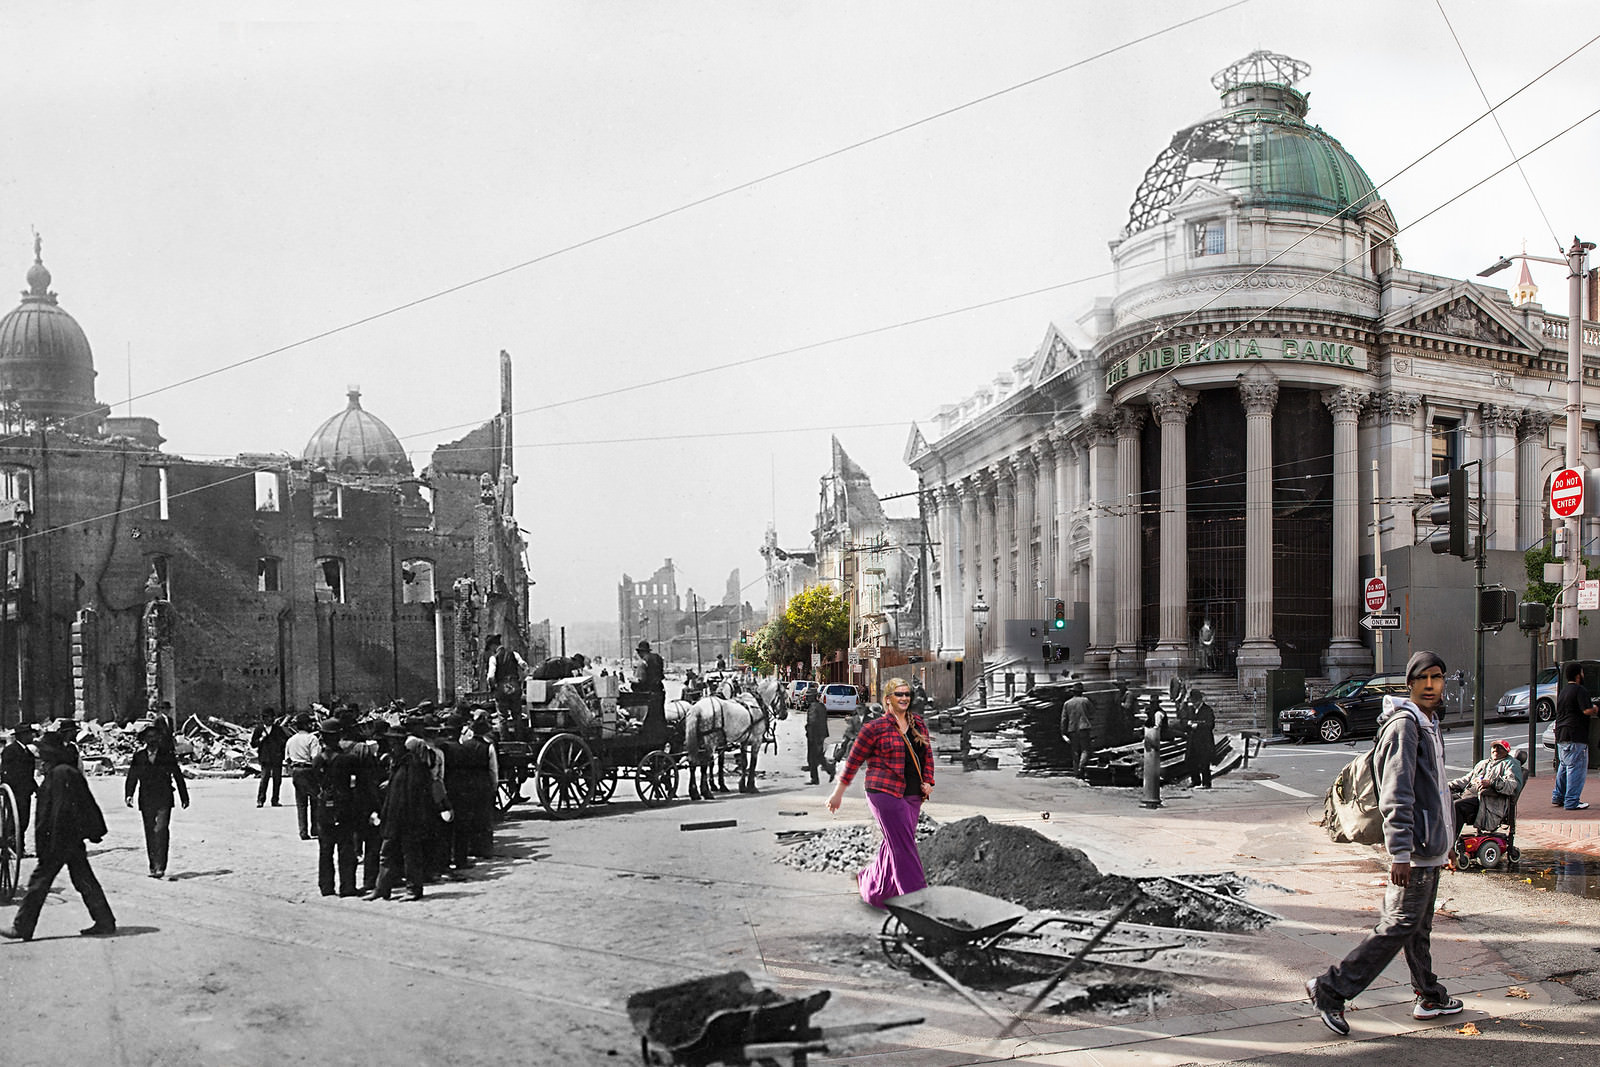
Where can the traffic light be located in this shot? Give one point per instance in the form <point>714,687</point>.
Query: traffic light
<point>1450,511</point>
<point>744,637</point>
<point>1060,621</point>
<point>1496,607</point>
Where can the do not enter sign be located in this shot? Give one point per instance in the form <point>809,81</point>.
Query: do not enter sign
<point>1566,493</point>
<point>1377,594</point>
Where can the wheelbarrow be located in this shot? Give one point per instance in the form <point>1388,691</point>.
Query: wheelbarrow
<point>947,920</point>
<point>724,1020</point>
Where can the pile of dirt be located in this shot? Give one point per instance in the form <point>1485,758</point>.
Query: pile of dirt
<point>1023,866</point>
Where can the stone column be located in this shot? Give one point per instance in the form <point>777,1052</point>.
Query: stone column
<point>1499,471</point>
<point>1402,460</point>
<point>1258,389</point>
<point>1346,655</point>
<point>1171,405</point>
<point>1065,454</point>
<point>1026,604</point>
<point>1045,504</point>
<point>950,576</point>
<point>986,559</point>
<point>971,554</point>
<point>1128,659</point>
<point>1100,464</point>
<point>1005,525</point>
<point>1531,506</point>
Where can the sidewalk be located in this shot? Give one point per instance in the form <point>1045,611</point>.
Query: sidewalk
<point>1540,824</point>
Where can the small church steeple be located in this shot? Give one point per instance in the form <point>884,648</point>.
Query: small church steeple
<point>1525,292</point>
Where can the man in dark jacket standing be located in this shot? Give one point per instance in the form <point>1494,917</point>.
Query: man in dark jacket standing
<point>268,739</point>
<point>1574,706</point>
<point>154,774</point>
<point>68,816</point>
<point>338,819</point>
<point>17,764</point>
<point>816,735</point>
<point>652,677</point>
<point>1418,834</point>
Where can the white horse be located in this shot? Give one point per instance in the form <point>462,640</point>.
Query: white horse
<point>718,722</point>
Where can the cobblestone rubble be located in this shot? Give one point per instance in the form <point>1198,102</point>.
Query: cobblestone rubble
<point>847,848</point>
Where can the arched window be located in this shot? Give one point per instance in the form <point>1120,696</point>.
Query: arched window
<point>328,579</point>
<point>327,500</point>
<point>416,581</point>
<point>16,483</point>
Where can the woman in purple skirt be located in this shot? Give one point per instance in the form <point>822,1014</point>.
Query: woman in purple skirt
<point>899,760</point>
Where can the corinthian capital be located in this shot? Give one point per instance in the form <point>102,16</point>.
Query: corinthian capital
<point>1258,391</point>
<point>1345,401</point>
<point>1499,419</point>
<point>1397,407</point>
<point>1534,424</point>
<point>1171,403</point>
<point>1129,420</point>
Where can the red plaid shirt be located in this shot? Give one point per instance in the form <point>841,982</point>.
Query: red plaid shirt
<point>882,748</point>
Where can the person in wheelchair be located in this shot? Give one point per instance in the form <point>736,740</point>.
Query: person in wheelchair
<point>1486,796</point>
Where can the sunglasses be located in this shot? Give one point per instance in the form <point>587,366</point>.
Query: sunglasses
<point>902,693</point>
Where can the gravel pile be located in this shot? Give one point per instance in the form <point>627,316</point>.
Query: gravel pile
<point>846,849</point>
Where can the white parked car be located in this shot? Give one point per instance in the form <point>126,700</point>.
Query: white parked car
<point>841,698</point>
<point>795,696</point>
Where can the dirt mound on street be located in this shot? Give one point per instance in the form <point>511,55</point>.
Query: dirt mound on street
<point>1022,865</point>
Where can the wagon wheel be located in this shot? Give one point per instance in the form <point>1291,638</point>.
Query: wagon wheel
<point>892,939</point>
<point>512,775</point>
<point>605,784</point>
<point>564,775</point>
<point>656,778</point>
<point>10,845</point>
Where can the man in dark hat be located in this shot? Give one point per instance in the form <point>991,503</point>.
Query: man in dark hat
<point>299,753</point>
<point>652,678</point>
<point>335,772</point>
<point>68,816</point>
<point>469,781</point>
<point>409,814</point>
<point>17,763</point>
<point>268,739</point>
<point>154,775</point>
<point>503,673</point>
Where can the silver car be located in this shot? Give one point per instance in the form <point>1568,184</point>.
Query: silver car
<point>1513,704</point>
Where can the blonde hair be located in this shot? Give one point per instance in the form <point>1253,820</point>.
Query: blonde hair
<point>888,690</point>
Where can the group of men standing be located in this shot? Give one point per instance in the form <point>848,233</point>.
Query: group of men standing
<point>404,803</point>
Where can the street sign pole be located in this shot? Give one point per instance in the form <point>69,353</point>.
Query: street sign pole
<point>1377,566</point>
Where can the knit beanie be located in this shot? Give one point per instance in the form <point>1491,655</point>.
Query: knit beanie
<point>1421,661</point>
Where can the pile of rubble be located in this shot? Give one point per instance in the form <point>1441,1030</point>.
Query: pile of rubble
<point>846,849</point>
<point>1021,865</point>
<point>207,748</point>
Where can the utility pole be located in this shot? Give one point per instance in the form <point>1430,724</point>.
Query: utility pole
<point>1577,263</point>
<point>1377,566</point>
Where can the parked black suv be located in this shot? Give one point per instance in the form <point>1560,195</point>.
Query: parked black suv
<point>1350,709</point>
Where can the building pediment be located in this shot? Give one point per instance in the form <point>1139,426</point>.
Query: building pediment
<point>1055,355</point>
<point>1201,195</point>
<point>916,445</point>
<point>1463,312</point>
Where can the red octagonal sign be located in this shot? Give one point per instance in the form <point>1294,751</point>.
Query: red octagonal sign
<point>1377,594</point>
<point>1566,493</point>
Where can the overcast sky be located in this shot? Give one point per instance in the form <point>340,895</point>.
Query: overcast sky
<point>214,181</point>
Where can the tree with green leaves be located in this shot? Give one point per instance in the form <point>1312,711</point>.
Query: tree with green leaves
<point>1540,590</point>
<point>818,617</point>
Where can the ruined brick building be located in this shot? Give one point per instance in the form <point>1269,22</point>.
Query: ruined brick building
<point>132,576</point>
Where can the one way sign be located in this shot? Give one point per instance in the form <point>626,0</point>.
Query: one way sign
<point>1381,622</point>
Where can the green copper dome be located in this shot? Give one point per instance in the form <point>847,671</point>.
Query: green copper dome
<point>1259,147</point>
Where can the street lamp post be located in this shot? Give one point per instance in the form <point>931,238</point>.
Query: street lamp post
<point>980,619</point>
<point>1577,266</point>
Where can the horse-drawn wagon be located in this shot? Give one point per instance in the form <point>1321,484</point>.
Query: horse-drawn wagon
<point>578,738</point>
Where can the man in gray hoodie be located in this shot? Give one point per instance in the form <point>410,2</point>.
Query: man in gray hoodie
<point>1418,832</point>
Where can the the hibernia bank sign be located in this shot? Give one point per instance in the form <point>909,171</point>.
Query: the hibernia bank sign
<point>1239,349</point>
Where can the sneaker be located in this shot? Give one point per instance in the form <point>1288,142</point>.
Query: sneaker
<point>1579,806</point>
<point>1332,1018</point>
<point>1427,1009</point>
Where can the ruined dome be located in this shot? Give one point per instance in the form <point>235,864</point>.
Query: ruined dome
<point>46,365</point>
<point>1259,146</point>
<point>355,441</point>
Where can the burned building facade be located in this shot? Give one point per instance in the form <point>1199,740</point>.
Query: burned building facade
<point>133,576</point>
